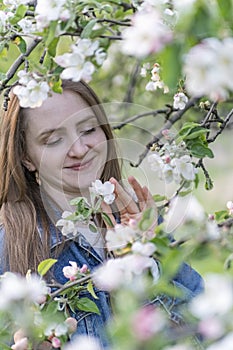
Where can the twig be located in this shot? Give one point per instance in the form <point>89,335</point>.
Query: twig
<point>67,286</point>
<point>138,116</point>
<point>222,127</point>
<point>208,114</point>
<point>131,88</point>
<point>115,22</point>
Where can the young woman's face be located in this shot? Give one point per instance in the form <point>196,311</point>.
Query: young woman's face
<point>65,143</point>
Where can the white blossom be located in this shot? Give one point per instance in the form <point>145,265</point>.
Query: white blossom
<point>71,272</point>
<point>15,288</point>
<point>156,162</point>
<point>68,226</point>
<point>119,237</point>
<point>119,272</point>
<point>105,189</point>
<point>223,344</point>
<point>209,69</point>
<point>214,301</point>
<point>50,9</point>
<point>56,329</point>
<point>83,342</point>
<point>229,206</point>
<point>147,34</point>
<point>146,249</point>
<point>180,100</point>
<point>15,3</point>
<point>4,18</point>
<point>75,63</point>
<point>27,25</point>
<point>184,167</point>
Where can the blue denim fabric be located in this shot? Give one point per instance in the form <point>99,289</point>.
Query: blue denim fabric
<point>79,250</point>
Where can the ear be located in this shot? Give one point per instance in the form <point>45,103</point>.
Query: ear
<point>29,164</point>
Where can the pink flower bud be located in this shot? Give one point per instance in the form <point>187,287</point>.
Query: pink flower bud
<point>22,344</point>
<point>71,324</point>
<point>84,269</point>
<point>211,217</point>
<point>56,343</point>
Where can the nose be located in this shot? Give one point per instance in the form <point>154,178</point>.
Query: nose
<point>78,149</point>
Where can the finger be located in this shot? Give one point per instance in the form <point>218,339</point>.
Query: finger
<point>139,191</point>
<point>123,200</point>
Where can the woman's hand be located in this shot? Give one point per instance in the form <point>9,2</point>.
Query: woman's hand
<point>129,208</point>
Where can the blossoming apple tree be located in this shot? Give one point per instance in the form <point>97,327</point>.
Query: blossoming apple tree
<point>179,51</point>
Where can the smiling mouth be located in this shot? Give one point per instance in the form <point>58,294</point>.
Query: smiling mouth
<point>79,166</point>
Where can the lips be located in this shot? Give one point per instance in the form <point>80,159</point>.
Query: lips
<point>79,166</point>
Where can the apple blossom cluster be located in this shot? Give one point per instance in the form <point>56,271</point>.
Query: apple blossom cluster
<point>15,288</point>
<point>156,82</point>
<point>84,342</point>
<point>56,330</point>
<point>127,270</point>
<point>77,64</point>
<point>209,69</point>
<point>99,192</point>
<point>172,162</point>
<point>4,22</point>
<point>31,90</point>
<point>148,33</point>
<point>51,10</point>
<point>73,272</point>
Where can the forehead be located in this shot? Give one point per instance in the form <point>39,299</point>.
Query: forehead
<point>57,110</point>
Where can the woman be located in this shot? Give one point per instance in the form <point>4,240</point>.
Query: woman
<point>49,155</point>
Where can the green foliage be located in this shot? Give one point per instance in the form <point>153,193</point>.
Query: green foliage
<point>45,266</point>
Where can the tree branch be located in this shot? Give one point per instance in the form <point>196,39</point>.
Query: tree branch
<point>18,63</point>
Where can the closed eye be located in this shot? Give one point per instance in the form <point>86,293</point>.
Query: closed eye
<point>89,131</point>
<point>52,142</point>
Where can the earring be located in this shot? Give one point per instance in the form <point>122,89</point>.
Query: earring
<point>37,178</point>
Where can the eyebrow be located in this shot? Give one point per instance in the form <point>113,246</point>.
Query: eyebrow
<point>48,132</point>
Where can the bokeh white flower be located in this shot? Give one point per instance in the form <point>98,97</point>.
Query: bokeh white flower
<point>83,342</point>
<point>214,301</point>
<point>209,69</point>
<point>147,34</point>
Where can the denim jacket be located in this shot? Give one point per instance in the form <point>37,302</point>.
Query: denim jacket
<point>80,251</point>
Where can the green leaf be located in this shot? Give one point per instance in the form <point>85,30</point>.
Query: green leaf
<point>221,215</point>
<point>147,220</point>
<point>92,228</point>
<point>86,33</point>
<point>107,220</point>
<point>91,289</point>
<point>19,14</point>
<point>57,86</point>
<point>22,45</point>
<point>52,48</point>
<point>87,305</point>
<point>198,149</point>
<point>51,33</point>
<point>196,132</point>
<point>159,198</point>
<point>45,265</point>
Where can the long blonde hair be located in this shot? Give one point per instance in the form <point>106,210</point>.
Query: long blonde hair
<point>20,199</point>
